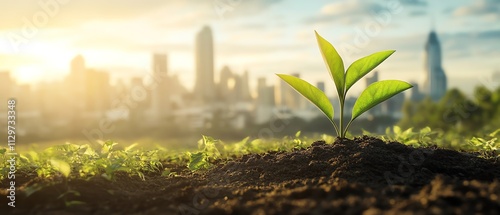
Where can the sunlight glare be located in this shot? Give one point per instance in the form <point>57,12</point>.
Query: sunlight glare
<point>28,74</point>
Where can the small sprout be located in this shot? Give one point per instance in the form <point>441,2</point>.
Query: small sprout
<point>371,96</point>
<point>63,167</point>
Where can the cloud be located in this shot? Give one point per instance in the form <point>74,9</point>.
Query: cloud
<point>228,9</point>
<point>416,8</point>
<point>467,44</point>
<point>75,13</point>
<point>487,8</point>
<point>416,3</point>
<point>416,13</point>
<point>355,11</point>
<point>346,12</point>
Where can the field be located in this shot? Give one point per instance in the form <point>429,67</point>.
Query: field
<point>401,172</point>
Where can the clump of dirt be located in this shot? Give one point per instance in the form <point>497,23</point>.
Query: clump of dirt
<point>364,175</point>
<point>360,176</point>
<point>366,160</point>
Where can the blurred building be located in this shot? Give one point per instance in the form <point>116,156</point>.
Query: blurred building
<point>435,83</point>
<point>97,92</point>
<point>204,57</point>
<point>287,97</point>
<point>264,104</point>
<point>496,78</point>
<point>321,86</point>
<point>233,88</point>
<point>160,92</point>
<point>393,107</point>
<point>415,94</point>
<point>137,114</point>
<point>165,95</point>
<point>241,90</point>
<point>226,84</point>
<point>377,110</point>
<point>75,83</point>
<point>87,91</point>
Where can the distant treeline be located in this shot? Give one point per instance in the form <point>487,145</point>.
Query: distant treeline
<point>456,112</point>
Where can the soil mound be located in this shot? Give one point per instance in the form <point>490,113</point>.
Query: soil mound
<point>366,160</point>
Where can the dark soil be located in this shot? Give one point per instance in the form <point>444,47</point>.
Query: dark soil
<point>360,176</point>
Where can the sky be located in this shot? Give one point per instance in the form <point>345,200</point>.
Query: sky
<point>38,39</point>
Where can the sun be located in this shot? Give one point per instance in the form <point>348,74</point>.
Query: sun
<point>28,74</point>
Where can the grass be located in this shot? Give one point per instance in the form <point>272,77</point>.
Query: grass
<point>60,164</point>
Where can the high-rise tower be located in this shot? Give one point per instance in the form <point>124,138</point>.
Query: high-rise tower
<point>76,82</point>
<point>204,56</point>
<point>161,93</point>
<point>435,84</point>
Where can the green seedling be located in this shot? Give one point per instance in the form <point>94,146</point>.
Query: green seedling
<point>344,80</point>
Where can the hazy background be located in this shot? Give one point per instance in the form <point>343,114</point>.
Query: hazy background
<point>262,37</point>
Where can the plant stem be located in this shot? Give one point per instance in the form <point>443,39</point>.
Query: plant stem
<point>335,126</point>
<point>347,127</point>
<point>341,118</point>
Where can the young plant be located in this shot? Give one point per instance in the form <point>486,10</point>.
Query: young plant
<point>344,80</point>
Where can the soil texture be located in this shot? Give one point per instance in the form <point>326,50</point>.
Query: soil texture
<point>360,176</point>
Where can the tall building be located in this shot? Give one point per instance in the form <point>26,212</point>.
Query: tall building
<point>233,87</point>
<point>137,115</point>
<point>89,88</point>
<point>415,94</point>
<point>265,94</point>
<point>496,77</point>
<point>97,91</point>
<point>75,83</point>
<point>435,84</point>
<point>264,102</point>
<point>225,83</point>
<point>204,57</point>
<point>245,87</point>
<point>394,106</point>
<point>377,110</point>
<point>287,97</point>
<point>160,93</point>
<point>321,86</point>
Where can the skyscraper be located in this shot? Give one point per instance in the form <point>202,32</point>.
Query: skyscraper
<point>76,82</point>
<point>320,85</point>
<point>245,87</point>
<point>161,94</point>
<point>265,102</point>
<point>286,96</point>
<point>377,110</point>
<point>97,91</point>
<point>204,57</point>
<point>435,82</point>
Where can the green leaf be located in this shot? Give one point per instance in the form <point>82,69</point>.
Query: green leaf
<point>197,161</point>
<point>377,93</point>
<point>313,94</point>
<point>363,66</point>
<point>297,135</point>
<point>128,148</point>
<point>61,166</point>
<point>334,63</point>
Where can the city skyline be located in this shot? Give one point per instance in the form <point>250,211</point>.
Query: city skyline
<point>86,96</point>
<point>256,36</point>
